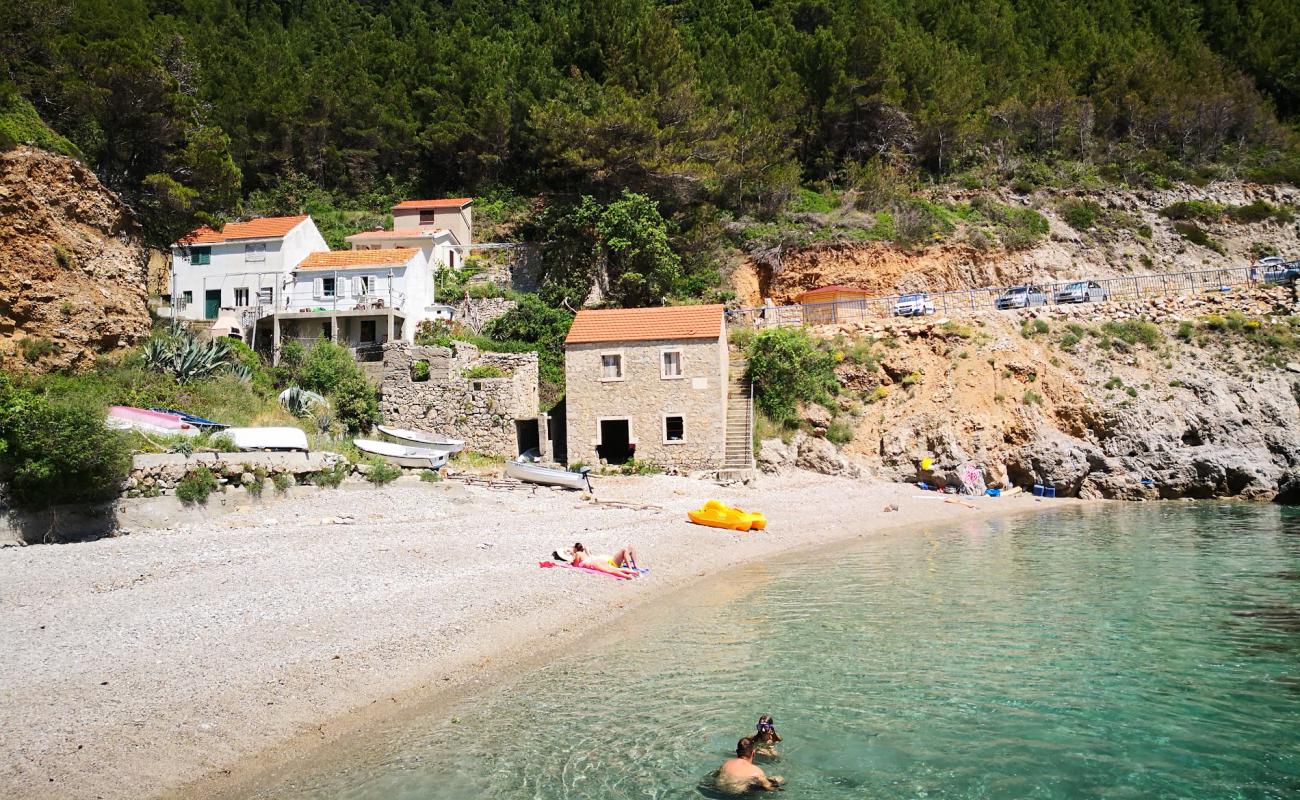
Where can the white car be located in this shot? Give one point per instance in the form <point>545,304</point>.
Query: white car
<point>913,305</point>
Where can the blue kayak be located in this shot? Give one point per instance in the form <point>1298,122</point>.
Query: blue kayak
<point>198,422</point>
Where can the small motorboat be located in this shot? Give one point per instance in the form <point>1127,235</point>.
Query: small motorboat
<point>402,455</point>
<point>717,515</point>
<point>198,422</point>
<point>525,469</point>
<point>149,421</point>
<point>274,438</point>
<point>432,441</point>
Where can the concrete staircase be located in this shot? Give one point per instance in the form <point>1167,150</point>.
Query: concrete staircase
<point>738,464</point>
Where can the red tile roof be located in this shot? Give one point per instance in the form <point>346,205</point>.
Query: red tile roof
<point>262,228</point>
<point>344,259</point>
<point>411,233</point>
<point>832,289</point>
<point>449,202</point>
<point>645,324</point>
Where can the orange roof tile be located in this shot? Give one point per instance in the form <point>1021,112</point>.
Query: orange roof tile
<point>262,228</point>
<point>449,202</point>
<point>645,324</point>
<point>345,259</point>
<point>415,233</point>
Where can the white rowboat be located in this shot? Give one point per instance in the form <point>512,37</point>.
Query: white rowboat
<point>432,441</point>
<point>402,455</point>
<point>548,476</point>
<point>284,438</point>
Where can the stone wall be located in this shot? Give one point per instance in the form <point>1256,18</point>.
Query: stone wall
<point>644,398</point>
<point>158,473</point>
<point>474,313</point>
<point>482,411</point>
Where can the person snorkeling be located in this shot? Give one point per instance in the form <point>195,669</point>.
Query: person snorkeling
<point>766,738</point>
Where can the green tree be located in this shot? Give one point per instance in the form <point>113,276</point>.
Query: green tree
<point>788,369</point>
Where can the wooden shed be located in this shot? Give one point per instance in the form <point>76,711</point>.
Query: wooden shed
<point>830,304</point>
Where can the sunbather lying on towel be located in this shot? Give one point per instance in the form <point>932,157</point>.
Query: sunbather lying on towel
<point>621,564</point>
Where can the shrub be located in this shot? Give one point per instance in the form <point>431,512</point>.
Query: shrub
<point>282,482</point>
<point>333,476</point>
<point>1131,392</point>
<point>66,309</point>
<point>484,371</point>
<point>1079,214</point>
<point>878,394</point>
<point>329,370</point>
<point>196,486</point>
<point>839,432</point>
<point>1185,330</point>
<point>63,256</point>
<point>1068,342</point>
<point>1185,210</point>
<point>1261,211</point>
<point>380,472</point>
<point>1032,398</point>
<point>1113,383</point>
<point>34,350</point>
<point>255,488</point>
<point>430,476</point>
<point>420,371</point>
<point>1134,331</point>
<point>1194,234</point>
<point>911,379</point>
<point>57,451</point>
<point>786,369</point>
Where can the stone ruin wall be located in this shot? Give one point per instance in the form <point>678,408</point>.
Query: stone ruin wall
<point>482,411</point>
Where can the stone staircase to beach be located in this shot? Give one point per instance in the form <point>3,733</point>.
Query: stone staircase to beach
<point>738,465</point>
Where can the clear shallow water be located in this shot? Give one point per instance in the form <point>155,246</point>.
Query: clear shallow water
<point>1144,651</point>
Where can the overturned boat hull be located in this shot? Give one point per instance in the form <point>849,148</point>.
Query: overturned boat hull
<point>401,455</point>
<point>547,476</point>
<point>422,439</point>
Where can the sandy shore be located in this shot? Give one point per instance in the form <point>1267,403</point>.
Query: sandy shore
<point>138,665</point>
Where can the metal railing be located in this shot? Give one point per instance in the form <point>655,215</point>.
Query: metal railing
<point>971,302</point>
<point>379,302</point>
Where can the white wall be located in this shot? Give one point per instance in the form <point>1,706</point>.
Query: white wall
<point>230,269</point>
<point>411,285</point>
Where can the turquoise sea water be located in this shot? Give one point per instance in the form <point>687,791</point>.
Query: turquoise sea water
<point>1145,651</point>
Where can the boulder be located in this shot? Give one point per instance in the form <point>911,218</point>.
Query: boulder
<point>817,417</point>
<point>819,455</point>
<point>775,455</point>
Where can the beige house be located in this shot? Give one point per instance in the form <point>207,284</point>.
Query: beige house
<point>443,229</point>
<point>649,383</point>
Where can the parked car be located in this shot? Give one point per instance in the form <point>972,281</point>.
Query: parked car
<point>913,305</point>
<point>1081,292</point>
<point>1023,296</point>
<point>1272,269</point>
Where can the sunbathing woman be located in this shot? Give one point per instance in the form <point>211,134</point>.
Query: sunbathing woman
<point>767,737</point>
<point>622,563</point>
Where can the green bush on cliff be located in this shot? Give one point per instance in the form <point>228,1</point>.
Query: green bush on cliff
<point>787,369</point>
<point>55,451</point>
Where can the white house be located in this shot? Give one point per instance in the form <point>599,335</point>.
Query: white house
<point>359,298</point>
<point>440,228</point>
<point>244,265</point>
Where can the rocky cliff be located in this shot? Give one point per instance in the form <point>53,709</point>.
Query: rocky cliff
<point>72,265</point>
<point>1191,397</point>
<point>1118,233</point>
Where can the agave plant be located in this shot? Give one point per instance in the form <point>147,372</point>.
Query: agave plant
<point>241,371</point>
<point>184,356</point>
<point>300,402</point>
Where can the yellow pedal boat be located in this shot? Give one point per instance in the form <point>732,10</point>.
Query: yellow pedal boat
<point>717,515</point>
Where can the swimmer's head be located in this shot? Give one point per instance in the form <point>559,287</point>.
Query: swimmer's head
<point>745,748</point>
<point>766,723</point>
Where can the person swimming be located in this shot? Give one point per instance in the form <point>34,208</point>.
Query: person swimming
<point>767,737</point>
<point>739,775</point>
<point>621,564</point>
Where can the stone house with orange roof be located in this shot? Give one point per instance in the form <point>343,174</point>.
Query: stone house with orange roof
<point>651,384</point>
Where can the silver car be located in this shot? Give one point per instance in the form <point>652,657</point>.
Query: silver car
<point>1023,296</point>
<point>1081,292</point>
